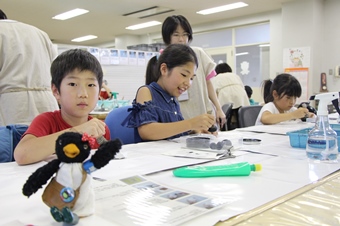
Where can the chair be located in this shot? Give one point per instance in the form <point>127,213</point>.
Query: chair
<point>247,115</point>
<point>226,108</point>
<point>114,120</point>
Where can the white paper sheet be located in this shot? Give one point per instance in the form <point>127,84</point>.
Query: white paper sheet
<point>280,128</point>
<point>138,201</point>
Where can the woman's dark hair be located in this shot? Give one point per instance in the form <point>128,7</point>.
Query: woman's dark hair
<point>73,59</point>
<point>283,84</point>
<point>173,56</point>
<point>2,15</point>
<point>249,91</point>
<point>170,25</point>
<point>223,68</point>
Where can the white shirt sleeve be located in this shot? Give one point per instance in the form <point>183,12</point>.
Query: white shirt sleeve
<point>272,109</point>
<point>267,107</point>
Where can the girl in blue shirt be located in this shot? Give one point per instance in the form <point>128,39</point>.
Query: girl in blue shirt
<point>155,112</point>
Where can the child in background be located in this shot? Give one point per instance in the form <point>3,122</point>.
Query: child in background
<point>156,113</point>
<point>76,81</point>
<point>249,92</point>
<point>280,97</point>
<point>105,92</point>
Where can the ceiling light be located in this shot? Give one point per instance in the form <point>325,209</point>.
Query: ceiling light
<point>240,54</point>
<point>148,12</point>
<point>222,8</point>
<point>70,14</point>
<point>84,38</point>
<point>264,45</point>
<point>143,25</point>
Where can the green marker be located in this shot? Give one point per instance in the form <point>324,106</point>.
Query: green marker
<point>236,169</point>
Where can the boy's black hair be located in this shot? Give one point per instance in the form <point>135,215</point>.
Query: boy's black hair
<point>284,84</point>
<point>173,56</point>
<point>2,15</point>
<point>223,68</point>
<point>73,59</point>
<point>170,25</point>
<point>249,90</point>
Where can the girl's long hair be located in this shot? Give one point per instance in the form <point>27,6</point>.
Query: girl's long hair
<point>283,84</point>
<point>173,56</point>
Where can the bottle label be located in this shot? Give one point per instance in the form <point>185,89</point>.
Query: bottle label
<point>323,150</point>
<point>321,144</point>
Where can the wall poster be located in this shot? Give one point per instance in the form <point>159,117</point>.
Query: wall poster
<point>296,57</point>
<point>302,76</point>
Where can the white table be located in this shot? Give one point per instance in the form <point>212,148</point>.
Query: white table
<point>285,170</point>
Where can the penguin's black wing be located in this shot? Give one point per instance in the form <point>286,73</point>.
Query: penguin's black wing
<point>40,177</point>
<point>105,153</point>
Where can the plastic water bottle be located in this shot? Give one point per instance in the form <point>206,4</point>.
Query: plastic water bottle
<point>322,141</point>
<point>322,144</point>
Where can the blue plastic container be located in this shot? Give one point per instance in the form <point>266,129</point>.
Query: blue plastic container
<point>105,105</point>
<point>298,138</point>
<point>122,103</point>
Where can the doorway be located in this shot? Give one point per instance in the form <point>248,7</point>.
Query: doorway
<point>222,55</point>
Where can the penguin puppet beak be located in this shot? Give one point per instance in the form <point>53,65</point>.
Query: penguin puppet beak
<point>71,150</point>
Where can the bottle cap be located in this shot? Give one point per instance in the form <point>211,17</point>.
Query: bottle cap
<point>114,94</point>
<point>256,167</point>
<point>101,140</point>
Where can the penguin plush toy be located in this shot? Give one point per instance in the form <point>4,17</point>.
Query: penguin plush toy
<point>69,194</point>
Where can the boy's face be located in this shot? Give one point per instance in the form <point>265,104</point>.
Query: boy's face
<point>78,96</point>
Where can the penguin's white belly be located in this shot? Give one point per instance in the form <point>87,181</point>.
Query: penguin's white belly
<point>70,175</point>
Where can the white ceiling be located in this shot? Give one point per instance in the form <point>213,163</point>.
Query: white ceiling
<point>106,19</point>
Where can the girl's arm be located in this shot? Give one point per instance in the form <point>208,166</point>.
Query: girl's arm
<point>269,118</point>
<point>158,131</point>
<point>220,116</point>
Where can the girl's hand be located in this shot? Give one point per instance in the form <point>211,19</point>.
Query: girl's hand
<point>310,115</point>
<point>207,132</point>
<point>202,122</point>
<point>300,113</point>
<point>203,132</point>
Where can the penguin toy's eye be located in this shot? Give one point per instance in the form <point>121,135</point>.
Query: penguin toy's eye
<point>60,142</point>
<point>86,146</point>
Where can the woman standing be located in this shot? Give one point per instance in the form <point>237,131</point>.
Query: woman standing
<point>197,100</point>
<point>26,54</point>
